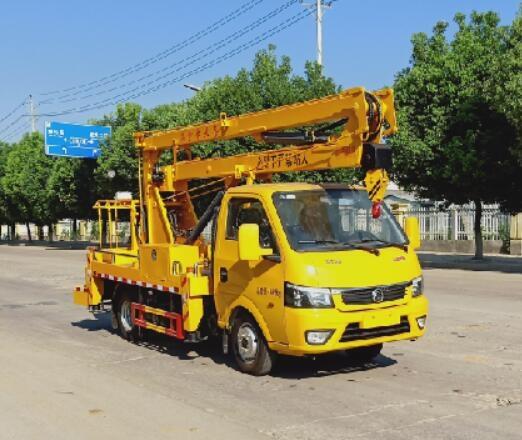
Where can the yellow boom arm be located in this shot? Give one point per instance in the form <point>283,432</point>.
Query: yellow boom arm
<point>351,103</point>
<point>365,118</point>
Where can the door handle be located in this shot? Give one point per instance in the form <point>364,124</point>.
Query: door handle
<point>223,274</point>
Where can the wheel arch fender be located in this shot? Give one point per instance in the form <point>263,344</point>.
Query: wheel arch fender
<point>243,304</point>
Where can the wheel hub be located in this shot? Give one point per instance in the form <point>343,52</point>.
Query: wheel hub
<point>247,342</point>
<point>125,316</point>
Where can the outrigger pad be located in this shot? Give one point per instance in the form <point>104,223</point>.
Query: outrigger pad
<point>376,156</point>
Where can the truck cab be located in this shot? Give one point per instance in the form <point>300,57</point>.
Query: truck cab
<point>314,269</point>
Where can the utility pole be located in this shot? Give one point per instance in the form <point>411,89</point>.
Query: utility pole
<point>318,6</point>
<point>32,114</point>
<point>319,30</point>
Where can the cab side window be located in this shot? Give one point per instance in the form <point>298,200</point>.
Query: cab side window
<point>242,210</point>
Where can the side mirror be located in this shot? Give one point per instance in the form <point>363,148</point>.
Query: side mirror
<point>249,249</point>
<point>411,227</point>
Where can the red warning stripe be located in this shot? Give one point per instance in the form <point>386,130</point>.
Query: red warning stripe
<point>136,283</point>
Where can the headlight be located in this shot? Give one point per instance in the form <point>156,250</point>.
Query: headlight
<point>307,297</point>
<point>417,285</point>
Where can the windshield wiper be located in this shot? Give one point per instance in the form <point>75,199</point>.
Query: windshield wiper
<point>371,250</point>
<point>319,242</point>
<point>401,246</point>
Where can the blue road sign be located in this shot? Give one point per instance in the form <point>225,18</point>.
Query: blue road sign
<point>73,140</point>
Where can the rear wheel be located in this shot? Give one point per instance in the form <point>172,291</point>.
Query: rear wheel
<point>126,325</point>
<point>250,348</point>
<point>364,354</point>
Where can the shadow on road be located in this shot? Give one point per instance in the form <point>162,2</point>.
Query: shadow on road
<point>99,321</point>
<point>287,367</point>
<point>326,365</point>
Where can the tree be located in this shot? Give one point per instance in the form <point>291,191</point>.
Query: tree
<point>506,84</point>
<point>24,182</point>
<point>71,189</point>
<point>455,143</point>
<point>5,211</point>
<point>119,155</point>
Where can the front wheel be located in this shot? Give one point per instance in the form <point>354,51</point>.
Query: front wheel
<point>250,348</point>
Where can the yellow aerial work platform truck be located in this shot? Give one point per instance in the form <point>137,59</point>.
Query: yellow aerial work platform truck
<point>287,268</point>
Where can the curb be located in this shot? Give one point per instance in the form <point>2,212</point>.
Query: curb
<point>488,264</point>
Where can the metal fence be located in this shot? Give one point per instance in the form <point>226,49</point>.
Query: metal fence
<point>457,223</point>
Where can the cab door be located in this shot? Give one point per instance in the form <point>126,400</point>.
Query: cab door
<point>262,282</point>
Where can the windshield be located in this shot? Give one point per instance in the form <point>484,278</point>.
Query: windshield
<point>335,218</point>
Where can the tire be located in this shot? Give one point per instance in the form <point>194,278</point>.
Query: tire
<point>364,354</point>
<point>126,326</point>
<point>250,348</point>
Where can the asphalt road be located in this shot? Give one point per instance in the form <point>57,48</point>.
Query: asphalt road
<point>64,375</point>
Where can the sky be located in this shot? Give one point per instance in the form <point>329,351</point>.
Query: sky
<point>92,54</point>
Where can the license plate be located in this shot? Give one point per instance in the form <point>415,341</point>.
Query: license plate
<point>380,319</point>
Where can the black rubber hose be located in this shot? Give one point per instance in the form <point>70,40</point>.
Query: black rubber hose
<point>205,218</point>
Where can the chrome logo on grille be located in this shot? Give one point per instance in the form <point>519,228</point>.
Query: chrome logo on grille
<point>377,295</point>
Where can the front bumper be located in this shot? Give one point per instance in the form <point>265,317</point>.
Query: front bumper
<point>351,329</point>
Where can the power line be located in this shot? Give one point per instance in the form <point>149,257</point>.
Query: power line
<point>132,69</point>
<point>7,127</point>
<point>123,97</point>
<point>13,111</point>
<point>163,54</point>
<point>206,51</point>
<point>244,8</point>
<point>19,129</point>
<point>200,69</point>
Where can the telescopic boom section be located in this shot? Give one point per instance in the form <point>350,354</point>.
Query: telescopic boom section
<point>364,117</point>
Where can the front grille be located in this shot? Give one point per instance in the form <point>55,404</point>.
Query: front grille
<point>364,295</point>
<point>354,333</point>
